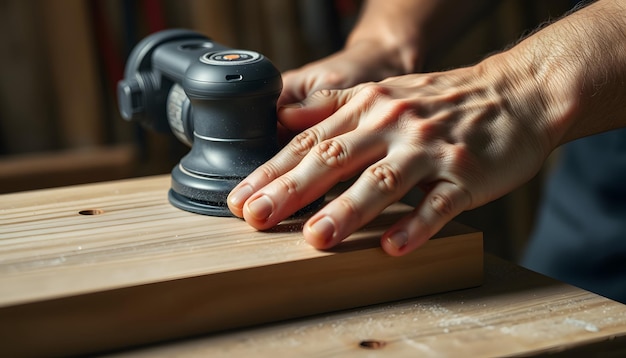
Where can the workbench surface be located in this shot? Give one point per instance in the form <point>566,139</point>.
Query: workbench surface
<point>105,259</point>
<point>515,312</point>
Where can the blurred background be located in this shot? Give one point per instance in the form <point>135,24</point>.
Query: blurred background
<point>61,60</point>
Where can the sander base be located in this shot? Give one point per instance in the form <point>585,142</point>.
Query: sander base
<point>207,195</point>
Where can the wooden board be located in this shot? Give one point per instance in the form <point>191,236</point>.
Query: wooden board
<point>141,271</point>
<point>515,313</point>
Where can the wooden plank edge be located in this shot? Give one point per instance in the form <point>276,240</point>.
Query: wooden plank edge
<point>131,316</point>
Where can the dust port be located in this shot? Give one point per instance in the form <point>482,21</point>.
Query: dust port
<point>234,78</point>
<point>372,344</point>
<point>91,212</point>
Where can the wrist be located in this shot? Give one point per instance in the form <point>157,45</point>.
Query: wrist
<point>575,78</point>
<point>535,91</point>
<point>395,44</point>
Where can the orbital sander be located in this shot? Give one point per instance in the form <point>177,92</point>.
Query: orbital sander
<point>218,100</point>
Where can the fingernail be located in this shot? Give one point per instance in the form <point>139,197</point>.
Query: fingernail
<point>398,239</point>
<point>323,229</point>
<point>293,105</point>
<point>238,197</point>
<point>261,208</point>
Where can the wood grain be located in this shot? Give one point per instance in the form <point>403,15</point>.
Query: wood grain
<point>141,271</point>
<point>515,313</point>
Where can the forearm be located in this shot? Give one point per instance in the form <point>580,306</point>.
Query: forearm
<point>391,38</point>
<point>578,65</point>
<point>408,30</point>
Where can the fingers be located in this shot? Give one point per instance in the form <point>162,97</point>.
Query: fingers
<point>333,72</point>
<point>300,84</point>
<point>322,103</point>
<point>293,88</point>
<point>325,165</point>
<point>362,128</point>
<point>380,185</point>
<point>440,205</point>
<point>299,116</point>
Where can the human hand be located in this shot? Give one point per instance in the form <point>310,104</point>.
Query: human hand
<point>465,137</point>
<point>364,61</point>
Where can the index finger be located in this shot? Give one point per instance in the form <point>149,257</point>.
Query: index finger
<point>322,103</point>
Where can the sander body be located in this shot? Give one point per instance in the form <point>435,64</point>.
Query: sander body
<point>218,100</point>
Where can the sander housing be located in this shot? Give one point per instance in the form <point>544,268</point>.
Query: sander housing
<point>219,101</point>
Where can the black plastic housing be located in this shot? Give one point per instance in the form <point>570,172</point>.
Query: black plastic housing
<point>227,112</point>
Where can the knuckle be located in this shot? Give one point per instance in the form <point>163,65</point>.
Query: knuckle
<point>373,91</point>
<point>397,114</point>
<point>426,133</point>
<point>269,171</point>
<point>461,159</point>
<point>399,106</point>
<point>349,207</point>
<point>442,204</point>
<point>322,94</point>
<point>304,142</point>
<point>427,79</point>
<point>332,78</point>
<point>287,184</point>
<point>332,153</point>
<point>386,178</point>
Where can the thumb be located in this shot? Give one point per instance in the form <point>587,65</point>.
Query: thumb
<point>299,116</point>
